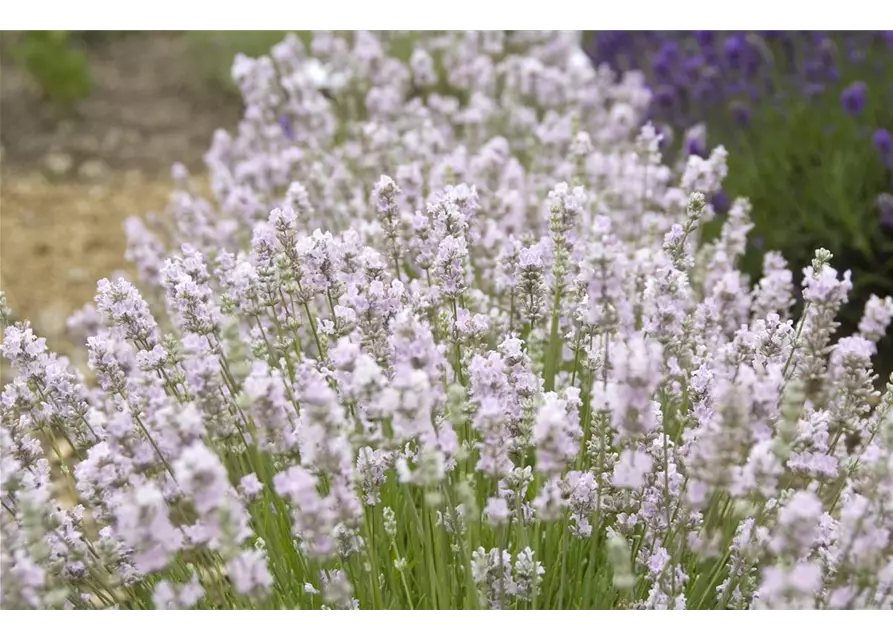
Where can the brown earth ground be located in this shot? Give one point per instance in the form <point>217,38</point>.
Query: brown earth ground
<point>68,180</point>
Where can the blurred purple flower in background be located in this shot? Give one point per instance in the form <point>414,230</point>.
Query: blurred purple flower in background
<point>853,98</point>
<point>691,72</point>
<point>883,143</point>
<point>695,147</point>
<point>720,201</point>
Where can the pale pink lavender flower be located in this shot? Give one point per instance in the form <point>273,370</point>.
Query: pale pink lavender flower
<point>249,572</point>
<point>557,432</point>
<point>168,595</point>
<point>876,319</point>
<point>492,573</point>
<point>250,486</point>
<point>143,523</point>
<point>314,516</point>
<point>631,470</point>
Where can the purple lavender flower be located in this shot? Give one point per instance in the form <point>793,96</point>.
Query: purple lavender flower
<point>665,61</point>
<point>720,201</point>
<point>883,144</point>
<point>695,147</point>
<point>285,123</point>
<point>692,68</point>
<point>734,50</point>
<point>665,98</point>
<point>853,98</point>
<point>705,38</point>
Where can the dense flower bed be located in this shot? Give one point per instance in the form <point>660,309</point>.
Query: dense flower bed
<point>447,336</point>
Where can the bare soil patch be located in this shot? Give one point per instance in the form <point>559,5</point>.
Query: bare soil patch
<point>68,179</point>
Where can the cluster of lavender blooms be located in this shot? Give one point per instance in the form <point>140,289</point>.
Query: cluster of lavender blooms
<point>692,73</point>
<point>467,352</point>
<point>493,109</point>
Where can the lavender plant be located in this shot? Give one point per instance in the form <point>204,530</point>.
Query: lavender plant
<point>508,373</point>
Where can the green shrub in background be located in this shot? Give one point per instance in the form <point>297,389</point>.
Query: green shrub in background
<point>54,60</point>
<point>815,177</point>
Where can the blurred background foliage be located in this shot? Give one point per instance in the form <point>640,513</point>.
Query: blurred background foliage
<point>56,61</point>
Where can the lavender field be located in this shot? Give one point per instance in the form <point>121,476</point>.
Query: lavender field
<point>479,320</point>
